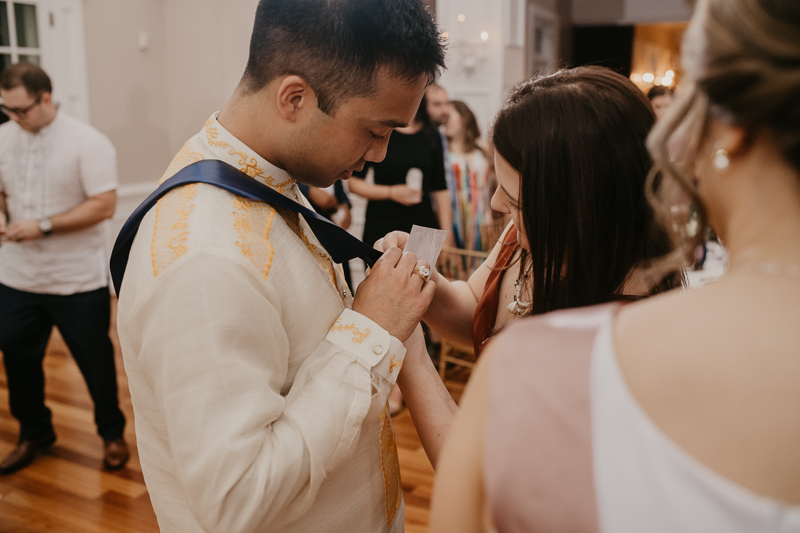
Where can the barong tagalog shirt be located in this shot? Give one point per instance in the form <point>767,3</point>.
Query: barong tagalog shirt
<point>259,395</point>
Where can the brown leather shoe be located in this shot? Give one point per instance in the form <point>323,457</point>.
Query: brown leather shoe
<point>115,454</point>
<point>24,454</point>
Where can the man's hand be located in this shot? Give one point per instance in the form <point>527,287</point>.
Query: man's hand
<point>399,239</point>
<point>403,194</point>
<point>24,230</point>
<point>393,295</point>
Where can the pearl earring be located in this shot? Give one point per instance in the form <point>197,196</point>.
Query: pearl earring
<point>721,160</point>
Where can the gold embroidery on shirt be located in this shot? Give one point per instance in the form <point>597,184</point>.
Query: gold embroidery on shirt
<point>252,222</point>
<point>391,467</point>
<point>171,229</point>
<point>183,158</point>
<point>393,365</point>
<point>293,221</point>
<point>247,164</point>
<point>358,335</point>
<point>323,260</point>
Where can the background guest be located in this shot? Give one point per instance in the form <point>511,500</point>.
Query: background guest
<point>660,98</point>
<point>467,159</point>
<point>58,182</point>
<point>439,109</point>
<point>406,183</point>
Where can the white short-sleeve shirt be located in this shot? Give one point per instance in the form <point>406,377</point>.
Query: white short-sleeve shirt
<point>45,174</point>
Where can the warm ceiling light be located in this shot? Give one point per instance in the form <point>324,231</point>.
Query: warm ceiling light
<point>462,17</point>
<point>648,77</point>
<point>669,74</point>
<point>666,81</point>
<point>636,77</point>
<point>484,36</point>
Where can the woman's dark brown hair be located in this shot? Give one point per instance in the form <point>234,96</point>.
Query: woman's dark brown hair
<point>469,126</point>
<point>577,138</point>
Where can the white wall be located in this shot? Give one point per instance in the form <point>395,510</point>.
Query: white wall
<point>475,68</point>
<point>640,11</point>
<point>127,83</point>
<point>602,12</point>
<point>207,43</point>
<point>481,73</point>
<point>158,69</point>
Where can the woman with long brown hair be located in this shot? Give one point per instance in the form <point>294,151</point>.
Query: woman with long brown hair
<point>678,413</point>
<point>571,165</point>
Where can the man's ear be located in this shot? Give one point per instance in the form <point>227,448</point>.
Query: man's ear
<point>295,98</point>
<point>47,98</point>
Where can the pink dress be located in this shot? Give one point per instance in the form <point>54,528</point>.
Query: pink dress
<point>568,448</point>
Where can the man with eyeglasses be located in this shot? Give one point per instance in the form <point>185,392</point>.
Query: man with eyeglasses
<point>58,180</point>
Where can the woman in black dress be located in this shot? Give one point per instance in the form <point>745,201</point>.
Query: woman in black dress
<point>393,205</point>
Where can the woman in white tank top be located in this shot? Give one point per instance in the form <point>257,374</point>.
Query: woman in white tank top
<point>680,413</point>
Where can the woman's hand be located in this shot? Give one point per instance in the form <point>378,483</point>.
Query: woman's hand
<point>395,238</point>
<point>428,400</point>
<point>403,194</point>
<point>416,354</point>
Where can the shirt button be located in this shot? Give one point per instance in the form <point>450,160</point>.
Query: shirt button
<point>378,349</point>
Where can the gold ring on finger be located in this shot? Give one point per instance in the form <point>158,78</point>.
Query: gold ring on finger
<point>423,272</point>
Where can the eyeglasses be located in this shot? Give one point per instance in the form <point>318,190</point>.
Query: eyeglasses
<point>21,112</point>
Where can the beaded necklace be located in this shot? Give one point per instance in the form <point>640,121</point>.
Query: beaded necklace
<point>518,307</point>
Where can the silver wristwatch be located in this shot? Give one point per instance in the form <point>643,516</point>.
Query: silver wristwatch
<point>45,226</point>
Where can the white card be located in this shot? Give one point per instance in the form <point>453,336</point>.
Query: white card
<point>426,243</point>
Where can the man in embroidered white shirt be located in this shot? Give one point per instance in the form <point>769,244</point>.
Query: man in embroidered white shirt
<point>258,383</point>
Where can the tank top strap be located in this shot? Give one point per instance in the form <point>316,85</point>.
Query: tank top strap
<point>538,470</point>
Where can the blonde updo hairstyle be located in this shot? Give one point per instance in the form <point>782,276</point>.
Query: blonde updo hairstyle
<point>741,61</point>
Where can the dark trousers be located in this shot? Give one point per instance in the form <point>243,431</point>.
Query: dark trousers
<point>26,321</point>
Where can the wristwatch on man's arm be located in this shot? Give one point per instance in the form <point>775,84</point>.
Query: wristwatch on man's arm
<point>45,226</point>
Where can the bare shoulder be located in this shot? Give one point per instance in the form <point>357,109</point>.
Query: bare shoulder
<point>716,369</point>
<point>710,319</point>
<point>669,347</point>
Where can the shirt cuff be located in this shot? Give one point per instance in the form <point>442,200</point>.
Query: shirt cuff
<point>371,343</point>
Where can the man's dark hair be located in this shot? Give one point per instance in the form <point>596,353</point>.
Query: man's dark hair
<point>337,46</point>
<point>577,139</point>
<point>32,77</point>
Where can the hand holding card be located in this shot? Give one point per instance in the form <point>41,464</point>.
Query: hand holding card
<point>426,243</point>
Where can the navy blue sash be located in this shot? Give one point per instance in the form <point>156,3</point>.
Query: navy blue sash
<point>337,242</point>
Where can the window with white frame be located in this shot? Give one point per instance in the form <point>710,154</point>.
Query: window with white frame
<point>48,33</point>
<point>19,33</point>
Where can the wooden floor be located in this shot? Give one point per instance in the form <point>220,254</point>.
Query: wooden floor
<point>66,490</point>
